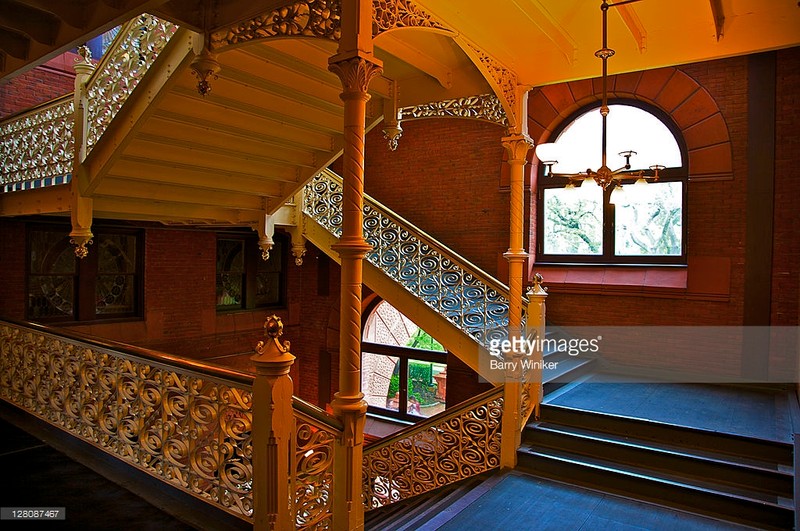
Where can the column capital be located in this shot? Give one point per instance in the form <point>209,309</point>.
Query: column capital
<point>517,145</point>
<point>355,70</point>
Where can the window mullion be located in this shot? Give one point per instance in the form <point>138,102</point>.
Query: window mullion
<point>608,226</point>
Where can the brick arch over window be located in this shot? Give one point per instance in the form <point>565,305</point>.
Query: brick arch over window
<point>691,107</point>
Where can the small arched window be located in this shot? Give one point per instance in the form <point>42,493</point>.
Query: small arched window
<point>643,220</point>
<point>403,368</point>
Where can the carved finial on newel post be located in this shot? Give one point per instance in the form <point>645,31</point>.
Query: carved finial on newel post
<point>273,428</point>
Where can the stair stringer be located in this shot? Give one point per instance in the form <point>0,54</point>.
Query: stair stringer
<point>450,336</point>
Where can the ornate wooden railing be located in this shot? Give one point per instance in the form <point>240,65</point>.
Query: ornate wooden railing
<point>458,290</point>
<point>184,422</point>
<point>316,434</point>
<point>135,49</point>
<point>456,444</point>
<point>37,148</point>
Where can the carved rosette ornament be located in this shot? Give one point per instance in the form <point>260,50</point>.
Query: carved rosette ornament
<point>311,18</point>
<point>298,251</point>
<point>486,107</point>
<point>205,67</point>
<point>273,347</point>
<point>81,243</point>
<point>393,14</point>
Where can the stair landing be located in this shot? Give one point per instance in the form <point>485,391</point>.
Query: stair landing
<point>751,412</point>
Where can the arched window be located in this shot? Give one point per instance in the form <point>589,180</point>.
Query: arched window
<point>403,369</point>
<point>644,220</point>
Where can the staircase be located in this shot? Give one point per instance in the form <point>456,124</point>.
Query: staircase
<point>735,478</point>
<point>437,505</point>
<point>456,302</point>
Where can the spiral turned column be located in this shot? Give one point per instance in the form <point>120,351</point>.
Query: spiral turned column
<point>517,147</point>
<point>355,72</point>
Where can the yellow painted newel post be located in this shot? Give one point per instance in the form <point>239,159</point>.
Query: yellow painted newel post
<point>273,430</point>
<point>534,329</point>
<point>81,210</point>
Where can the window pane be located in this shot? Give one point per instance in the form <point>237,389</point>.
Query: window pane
<point>425,395</point>
<point>51,252</point>
<point>51,283</point>
<point>230,273</point>
<point>50,296</point>
<point>380,380</point>
<point>573,220</point>
<point>116,279</point>
<point>629,128</point>
<point>648,220</point>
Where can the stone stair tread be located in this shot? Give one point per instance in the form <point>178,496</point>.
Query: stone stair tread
<point>663,447</point>
<point>659,477</point>
<point>550,413</point>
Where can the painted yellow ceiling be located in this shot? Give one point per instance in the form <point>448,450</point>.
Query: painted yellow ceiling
<point>274,117</point>
<point>550,41</point>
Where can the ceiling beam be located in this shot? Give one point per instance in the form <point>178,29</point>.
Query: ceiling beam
<point>14,44</point>
<point>144,209</point>
<point>634,25</point>
<point>718,12</point>
<point>538,14</point>
<point>166,192</point>
<point>417,58</point>
<point>189,176</point>
<point>38,25</point>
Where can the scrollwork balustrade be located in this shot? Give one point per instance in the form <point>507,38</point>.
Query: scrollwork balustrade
<point>191,430</point>
<point>435,275</point>
<point>313,465</point>
<point>125,64</point>
<point>444,449</point>
<point>38,145</point>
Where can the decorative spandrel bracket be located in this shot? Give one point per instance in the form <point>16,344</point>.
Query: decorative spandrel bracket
<point>81,243</point>
<point>391,119</point>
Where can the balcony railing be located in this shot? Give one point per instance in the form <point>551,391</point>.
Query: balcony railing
<point>183,422</point>
<point>38,147</point>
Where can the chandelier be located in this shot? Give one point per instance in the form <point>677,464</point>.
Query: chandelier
<point>605,177</point>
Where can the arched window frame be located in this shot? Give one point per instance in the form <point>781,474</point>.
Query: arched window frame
<point>403,355</point>
<point>608,256</point>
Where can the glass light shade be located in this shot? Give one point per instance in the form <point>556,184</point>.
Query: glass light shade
<point>547,152</point>
<point>617,195</point>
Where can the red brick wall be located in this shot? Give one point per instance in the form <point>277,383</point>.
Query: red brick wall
<point>444,177</point>
<point>31,88</point>
<point>12,269</point>
<point>786,250</point>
